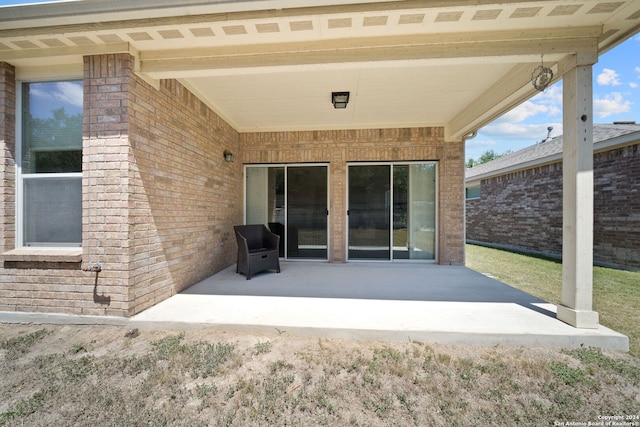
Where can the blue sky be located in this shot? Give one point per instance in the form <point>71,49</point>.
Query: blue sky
<point>616,96</point>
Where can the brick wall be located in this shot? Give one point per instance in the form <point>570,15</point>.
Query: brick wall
<point>523,210</point>
<point>339,147</point>
<point>184,198</point>
<point>8,151</point>
<point>158,199</point>
<point>617,206</point>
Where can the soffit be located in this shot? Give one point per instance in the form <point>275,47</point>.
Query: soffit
<point>267,66</point>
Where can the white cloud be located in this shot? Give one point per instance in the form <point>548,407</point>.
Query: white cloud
<point>521,131</point>
<point>69,93</point>
<point>611,104</point>
<point>608,77</point>
<point>523,112</point>
<point>633,85</point>
<point>548,104</point>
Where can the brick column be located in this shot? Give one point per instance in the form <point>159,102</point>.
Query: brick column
<point>8,150</point>
<point>451,204</point>
<point>106,175</point>
<point>338,208</point>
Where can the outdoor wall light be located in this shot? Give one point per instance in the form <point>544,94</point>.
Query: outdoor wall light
<point>340,99</point>
<point>228,156</point>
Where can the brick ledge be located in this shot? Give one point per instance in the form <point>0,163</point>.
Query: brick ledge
<point>43,255</point>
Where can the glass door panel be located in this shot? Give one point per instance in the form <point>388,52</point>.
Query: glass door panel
<point>265,199</point>
<point>307,212</point>
<point>420,211</point>
<point>400,212</point>
<point>296,210</point>
<point>369,212</point>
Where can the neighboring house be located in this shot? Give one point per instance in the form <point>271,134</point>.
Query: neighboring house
<point>134,135</point>
<point>515,201</point>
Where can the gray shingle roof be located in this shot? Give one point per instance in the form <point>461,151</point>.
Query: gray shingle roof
<point>548,149</point>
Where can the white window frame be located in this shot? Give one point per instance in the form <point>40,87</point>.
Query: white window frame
<point>21,177</point>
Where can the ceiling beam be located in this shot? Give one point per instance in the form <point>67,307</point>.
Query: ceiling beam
<point>196,62</point>
<point>510,90</point>
<point>36,55</point>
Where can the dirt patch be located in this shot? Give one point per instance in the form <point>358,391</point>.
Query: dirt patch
<point>107,375</point>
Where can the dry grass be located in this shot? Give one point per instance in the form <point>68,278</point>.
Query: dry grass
<point>105,376</point>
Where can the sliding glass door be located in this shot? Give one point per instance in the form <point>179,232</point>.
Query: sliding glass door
<point>292,201</point>
<point>392,211</point>
<point>307,212</point>
<point>369,212</point>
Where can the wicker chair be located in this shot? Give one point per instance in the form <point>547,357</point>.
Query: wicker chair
<point>257,249</point>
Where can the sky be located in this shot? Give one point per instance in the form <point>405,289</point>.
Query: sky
<point>616,97</point>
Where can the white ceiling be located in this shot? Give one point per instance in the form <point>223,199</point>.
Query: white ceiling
<point>272,65</point>
<point>395,95</point>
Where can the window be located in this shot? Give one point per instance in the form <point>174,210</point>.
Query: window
<point>50,164</point>
<point>472,192</point>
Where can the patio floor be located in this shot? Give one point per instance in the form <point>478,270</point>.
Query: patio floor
<point>377,301</point>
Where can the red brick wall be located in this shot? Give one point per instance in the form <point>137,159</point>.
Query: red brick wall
<point>617,206</point>
<point>523,209</point>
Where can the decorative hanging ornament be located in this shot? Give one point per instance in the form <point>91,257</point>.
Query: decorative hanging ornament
<point>542,76</point>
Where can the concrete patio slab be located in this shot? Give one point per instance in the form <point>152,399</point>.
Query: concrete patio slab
<point>367,301</point>
<point>423,302</point>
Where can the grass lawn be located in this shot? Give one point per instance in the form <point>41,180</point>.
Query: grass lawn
<point>616,293</point>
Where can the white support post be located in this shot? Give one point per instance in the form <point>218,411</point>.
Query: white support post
<point>577,207</point>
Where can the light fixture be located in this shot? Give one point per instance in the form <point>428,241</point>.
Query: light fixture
<point>542,76</point>
<point>228,156</point>
<point>340,99</point>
